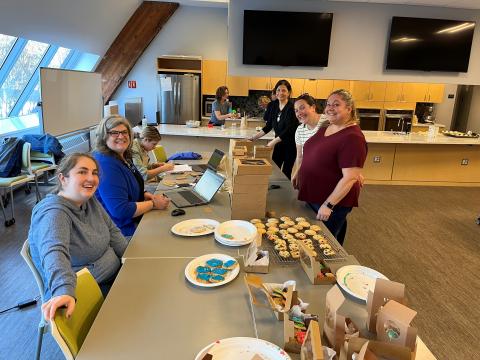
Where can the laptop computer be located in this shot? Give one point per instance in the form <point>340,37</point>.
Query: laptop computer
<point>202,193</point>
<point>213,163</point>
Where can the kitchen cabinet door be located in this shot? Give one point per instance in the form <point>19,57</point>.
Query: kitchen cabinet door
<point>377,90</point>
<point>324,88</point>
<point>393,91</point>
<point>259,83</point>
<point>237,85</point>
<point>274,80</point>
<point>341,84</point>
<point>360,90</point>
<point>297,87</point>
<point>414,92</point>
<point>435,93</point>
<point>214,74</point>
<point>310,87</point>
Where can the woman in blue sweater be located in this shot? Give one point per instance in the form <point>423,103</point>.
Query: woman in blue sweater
<point>121,189</point>
<point>70,230</point>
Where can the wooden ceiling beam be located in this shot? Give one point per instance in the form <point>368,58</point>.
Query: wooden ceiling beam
<point>131,42</point>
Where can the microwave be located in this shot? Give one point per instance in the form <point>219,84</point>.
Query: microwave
<point>207,106</point>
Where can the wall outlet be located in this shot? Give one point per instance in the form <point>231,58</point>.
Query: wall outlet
<point>377,158</point>
<point>464,162</point>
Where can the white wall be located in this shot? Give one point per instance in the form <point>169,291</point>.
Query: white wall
<point>444,110</point>
<point>85,25</point>
<point>473,123</point>
<point>198,31</point>
<point>358,45</point>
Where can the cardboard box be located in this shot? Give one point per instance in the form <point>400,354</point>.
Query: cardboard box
<point>262,152</point>
<point>251,180</point>
<point>251,189</point>
<point>240,142</point>
<point>251,166</point>
<point>372,350</point>
<point>336,320</point>
<point>312,346</point>
<point>239,151</point>
<point>110,110</point>
<point>315,269</point>
<point>254,251</point>
<point>384,290</point>
<point>393,325</point>
<point>247,214</point>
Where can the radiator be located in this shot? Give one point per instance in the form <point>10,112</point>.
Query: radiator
<point>76,143</point>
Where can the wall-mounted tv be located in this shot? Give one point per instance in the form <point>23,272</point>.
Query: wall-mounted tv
<point>274,38</point>
<point>429,44</point>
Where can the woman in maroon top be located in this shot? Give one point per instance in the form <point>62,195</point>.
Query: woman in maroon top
<point>332,163</point>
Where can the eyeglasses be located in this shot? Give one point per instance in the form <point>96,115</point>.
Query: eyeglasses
<point>116,134</point>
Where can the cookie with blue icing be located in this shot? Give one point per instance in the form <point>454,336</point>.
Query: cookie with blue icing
<point>219,271</point>
<point>214,263</point>
<point>204,277</point>
<point>216,278</point>
<point>203,269</point>
<point>229,264</point>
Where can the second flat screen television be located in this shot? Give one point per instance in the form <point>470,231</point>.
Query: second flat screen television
<point>274,38</point>
<point>429,44</point>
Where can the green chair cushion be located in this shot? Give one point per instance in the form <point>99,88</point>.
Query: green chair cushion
<point>7,182</point>
<point>38,165</point>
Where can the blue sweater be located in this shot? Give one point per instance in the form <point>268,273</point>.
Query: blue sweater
<point>118,192</point>
<point>65,238</point>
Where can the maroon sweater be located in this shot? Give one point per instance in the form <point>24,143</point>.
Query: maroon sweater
<point>324,157</point>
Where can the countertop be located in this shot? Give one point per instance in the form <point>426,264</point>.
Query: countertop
<point>372,137</point>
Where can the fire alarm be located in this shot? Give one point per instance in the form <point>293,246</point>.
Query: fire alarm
<point>132,84</point>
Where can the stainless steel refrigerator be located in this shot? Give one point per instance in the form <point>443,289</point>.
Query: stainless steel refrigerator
<point>178,98</point>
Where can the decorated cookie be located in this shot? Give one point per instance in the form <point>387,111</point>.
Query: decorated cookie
<point>203,269</point>
<point>300,235</point>
<point>272,237</point>
<point>219,271</point>
<point>318,237</point>
<point>216,279</point>
<point>292,230</point>
<point>325,246</point>
<point>204,277</point>
<point>284,254</point>
<point>295,254</point>
<point>281,247</point>
<point>214,262</point>
<point>329,252</point>
<point>293,246</point>
<point>229,264</point>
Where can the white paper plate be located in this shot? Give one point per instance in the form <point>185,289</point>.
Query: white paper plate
<point>357,280</point>
<point>187,227</point>
<point>243,348</point>
<point>243,232</point>
<point>201,261</point>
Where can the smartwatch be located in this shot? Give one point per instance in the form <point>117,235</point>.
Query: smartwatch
<point>329,205</point>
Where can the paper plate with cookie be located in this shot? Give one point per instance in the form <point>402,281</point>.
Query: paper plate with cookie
<point>242,348</point>
<point>212,270</point>
<point>195,227</point>
<point>236,233</point>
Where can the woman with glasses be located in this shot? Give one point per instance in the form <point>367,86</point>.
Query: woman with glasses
<point>310,121</point>
<point>149,139</point>
<point>70,230</point>
<point>280,117</point>
<point>332,163</point>
<point>121,189</point>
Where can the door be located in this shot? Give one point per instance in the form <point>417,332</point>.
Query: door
<point>188,98</point>
<point>166,99</point>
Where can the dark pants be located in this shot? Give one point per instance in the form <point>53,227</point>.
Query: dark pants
<point>337,222</point>
<point>284,156</point>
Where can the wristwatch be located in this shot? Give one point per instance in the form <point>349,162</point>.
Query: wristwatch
<point>329,205</point>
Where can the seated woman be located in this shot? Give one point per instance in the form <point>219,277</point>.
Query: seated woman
<point>221,107</point>
<point>328,179</point>
<point>149,138</point>
<point>121,189</point>
<point>70,230</point>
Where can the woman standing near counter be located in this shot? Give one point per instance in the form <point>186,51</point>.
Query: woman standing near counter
<point>280,116</point>
<point>332,163</point>
<point>121,189</point>
<point>221,107</point>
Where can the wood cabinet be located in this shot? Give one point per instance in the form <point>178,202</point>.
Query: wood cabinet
<point>324,88</point>
<point>298,87</point>
<point>368,90</point>
<point>310,87</point>
<point>237,85</point>
<point>435,93</point>
<point>259,83</point>
<point>214,74</point>
<point>414,92</point>
<point>341,84</point>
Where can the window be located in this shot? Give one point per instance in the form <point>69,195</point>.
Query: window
<point>6,44</point>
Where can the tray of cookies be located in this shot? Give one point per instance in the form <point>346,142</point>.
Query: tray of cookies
<point>280,234</point>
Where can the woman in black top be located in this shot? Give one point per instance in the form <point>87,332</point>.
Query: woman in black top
<point>280,115</point>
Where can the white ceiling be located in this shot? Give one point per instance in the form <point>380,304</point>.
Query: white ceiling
<point>461,4</point>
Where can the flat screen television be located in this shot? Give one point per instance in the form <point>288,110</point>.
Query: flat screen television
<point>429,44</point>
<point>273,38</point>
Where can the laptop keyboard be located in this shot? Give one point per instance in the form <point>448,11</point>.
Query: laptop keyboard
<point>191,197</point>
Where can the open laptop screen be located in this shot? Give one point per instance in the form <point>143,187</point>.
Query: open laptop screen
<point>209,184</point>
<point>215,159</point>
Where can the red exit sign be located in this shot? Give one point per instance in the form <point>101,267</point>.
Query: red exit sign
<point>132,84</point>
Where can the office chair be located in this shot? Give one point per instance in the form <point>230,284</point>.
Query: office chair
<point>70,333</point>
<point>34,168</point>
<point>160,154</point>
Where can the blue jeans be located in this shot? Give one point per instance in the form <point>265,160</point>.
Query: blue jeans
<point>337,222</point>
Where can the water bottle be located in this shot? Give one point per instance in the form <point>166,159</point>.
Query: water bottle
<point>144,122</point>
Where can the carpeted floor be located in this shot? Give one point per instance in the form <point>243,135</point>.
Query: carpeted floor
<point>425,237</point>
